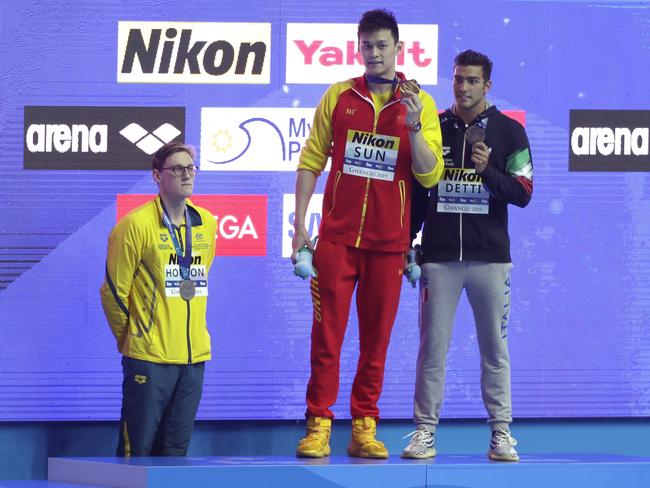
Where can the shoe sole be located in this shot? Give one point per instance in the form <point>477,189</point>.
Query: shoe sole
<point>419,456</point>
<point>365,455</point>
<point>326,452</point>
<point>494,457</point>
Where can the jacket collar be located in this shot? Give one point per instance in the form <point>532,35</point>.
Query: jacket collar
<point>361,85</point>
<point>450,115</point>
<point>195,216</point>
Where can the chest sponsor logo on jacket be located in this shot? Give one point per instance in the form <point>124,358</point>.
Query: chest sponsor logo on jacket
<point>447,156</point>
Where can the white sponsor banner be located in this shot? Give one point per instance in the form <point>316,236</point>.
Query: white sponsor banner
<point>312,219</point>
<point>194,52</point>
<point>326,53</point>
<point>253,139</point>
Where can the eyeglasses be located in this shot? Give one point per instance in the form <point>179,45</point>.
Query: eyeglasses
<point>179,170</point>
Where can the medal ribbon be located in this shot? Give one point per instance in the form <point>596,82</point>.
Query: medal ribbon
<point>381,81</point>
<point>185,261</point>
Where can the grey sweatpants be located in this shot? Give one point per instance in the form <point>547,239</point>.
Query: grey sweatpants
<point>488,289</point>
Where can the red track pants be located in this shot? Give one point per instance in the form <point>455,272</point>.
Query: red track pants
<point>378,277</point>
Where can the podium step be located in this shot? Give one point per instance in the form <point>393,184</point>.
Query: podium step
<point>444,471</point>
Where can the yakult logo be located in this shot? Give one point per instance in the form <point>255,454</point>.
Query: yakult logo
<point>609,140</point>
<point>241,220</point>
<point>193,52</point>
<point>326,53</point>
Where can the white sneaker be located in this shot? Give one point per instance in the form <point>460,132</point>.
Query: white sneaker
<point>421,445</point>
<point>502,446</point>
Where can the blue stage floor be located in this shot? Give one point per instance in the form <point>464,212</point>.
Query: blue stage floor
<point>444,471</point>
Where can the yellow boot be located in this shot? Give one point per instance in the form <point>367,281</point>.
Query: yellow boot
<point>363,443</point>
<point>316,443</point>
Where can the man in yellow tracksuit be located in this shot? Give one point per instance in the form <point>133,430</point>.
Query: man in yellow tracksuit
<point>154,297</point>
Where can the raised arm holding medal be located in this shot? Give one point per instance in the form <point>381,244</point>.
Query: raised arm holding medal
<point>381,132</point>
<point>155,298</point>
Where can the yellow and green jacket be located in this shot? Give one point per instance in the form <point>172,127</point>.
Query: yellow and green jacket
<point>147,316</point>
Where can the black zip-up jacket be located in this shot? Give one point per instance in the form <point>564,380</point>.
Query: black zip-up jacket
<point>466,215</point>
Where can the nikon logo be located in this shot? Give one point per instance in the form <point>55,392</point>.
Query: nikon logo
<point>609,140</point>
<point>368,139</point>
<point>463,175</point>
<point>194,52</point>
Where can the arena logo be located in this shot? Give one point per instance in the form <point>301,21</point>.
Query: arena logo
<point>194,52</point>
<point>253,139</point>
<point>62,138</point>
<point>605,141</point>
<point>609,140</point>
<point>326,53</point>
<point>98,137</point>
<point>241,220</point>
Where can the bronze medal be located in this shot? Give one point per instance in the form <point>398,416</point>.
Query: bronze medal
<point>187,290</point>
<point>409,87</point>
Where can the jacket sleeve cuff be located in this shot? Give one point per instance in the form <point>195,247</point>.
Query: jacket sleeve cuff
<point>310,167</point>
<point>429,179</point>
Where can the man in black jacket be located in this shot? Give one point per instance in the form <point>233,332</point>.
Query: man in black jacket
<point>465,245</point>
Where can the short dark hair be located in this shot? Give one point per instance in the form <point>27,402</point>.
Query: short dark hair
<point>374,20</point>
<point>475,58</point>
<point>167,150</point>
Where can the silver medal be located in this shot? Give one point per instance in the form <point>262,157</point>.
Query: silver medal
<point>187,290</point>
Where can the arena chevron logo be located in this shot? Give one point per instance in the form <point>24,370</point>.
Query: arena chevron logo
<point>150,142</point>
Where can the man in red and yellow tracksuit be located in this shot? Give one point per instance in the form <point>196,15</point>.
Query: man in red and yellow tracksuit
<point>380,133</point>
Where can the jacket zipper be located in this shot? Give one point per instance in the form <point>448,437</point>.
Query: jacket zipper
<point>363,213</point>
<point>189,343</point>
<point>402,201</point>
<point>336,184</point>
<point>187,328</point>
<point>357,243</point>
<point>460,215</point>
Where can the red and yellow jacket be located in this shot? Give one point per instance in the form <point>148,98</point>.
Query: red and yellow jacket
<point>367,197</point>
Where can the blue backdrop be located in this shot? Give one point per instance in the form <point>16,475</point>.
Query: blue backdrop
<point>581,283</point>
